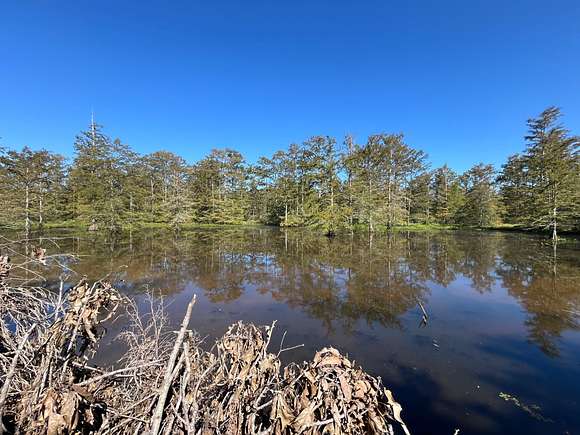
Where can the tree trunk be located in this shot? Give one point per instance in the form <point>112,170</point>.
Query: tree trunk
<point>351,211</point>
<point>389,205</point>
<point>131,207</point>
<point>152,193</point>
<point>27,210</point>
<point>302,194</point>
<point>40,204</point>
<point>111,205</point>
<point>331,197</point>
<point>371,228</point>
<point>446,207</point>
<point>554,224</point>
<point>212,214</point>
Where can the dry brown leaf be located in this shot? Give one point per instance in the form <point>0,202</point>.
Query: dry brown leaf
<point>281,412</point>
<point>69,409</point>
<point>56,425</point>
<point>305,419</point>
<point>360,389</point>
<point>345,387</point>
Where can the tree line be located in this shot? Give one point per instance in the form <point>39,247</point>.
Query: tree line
<point>380,183</point>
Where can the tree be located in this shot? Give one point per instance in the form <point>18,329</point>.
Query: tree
<point>137,191</point>
<point>349,165</point>
<point>480,207</point>
<point>448,197</point>
<point>219,187</point>
<point>420,198</point>
<point>397,165</point>
<point>50,188</point>
<point>382,182</point>
<point>325,162</point>
<point>166,175</point>
<point>281,173</point>
<point>234,200</point>
<point>97,178</point>
<point>515,193</point>
<point>379,174</point>
<point>552,164</point>
<point>28,178</point>
<point>364,183</point>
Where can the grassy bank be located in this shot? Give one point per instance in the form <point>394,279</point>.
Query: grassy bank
<point>357,228</point>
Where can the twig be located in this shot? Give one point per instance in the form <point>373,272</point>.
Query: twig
<point>10,375</point>
<point>425,317</point>
<point>158,415</point>
<point>116,372</point>
<point>286,349</point>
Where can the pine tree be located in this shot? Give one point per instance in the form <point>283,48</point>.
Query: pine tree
<point>219,186</point>
<point>330,216</point>
<point>97,178</point>
<point>398,164</point>
<point>382,182</point>
<point>515,192</point>
<point>480,207</point>
<point>447,195</point>
<point>553,165</point>
<point>30,180</point>
<point>420,198</point>
<point>165,180</point>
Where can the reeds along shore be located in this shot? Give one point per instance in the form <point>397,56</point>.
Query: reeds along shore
<point>165,382</point>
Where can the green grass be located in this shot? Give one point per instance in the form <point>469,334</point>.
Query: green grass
<point>410,227</point>
<point>64,224</point>
<point>379,229</point>
<point>186,226</point>
<point>425,227</point>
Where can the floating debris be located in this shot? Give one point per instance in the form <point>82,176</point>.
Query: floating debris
<point>424,317</point>
<point>532,410</point>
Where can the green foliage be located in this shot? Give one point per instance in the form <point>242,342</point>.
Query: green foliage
<point>540,187</point>
<point>420,199</point>
<point>480,206</point>
<point>448,196</point>
<point>379,175</point>
<point>381,184</point>
<point>98,178</point>
<point>218,186</point>
<point>32,186</point>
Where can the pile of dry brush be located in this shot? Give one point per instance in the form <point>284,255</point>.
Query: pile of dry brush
<point>165,382</point>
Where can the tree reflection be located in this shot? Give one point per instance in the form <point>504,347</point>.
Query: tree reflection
<point>547,284</point>
<point>347,279</point>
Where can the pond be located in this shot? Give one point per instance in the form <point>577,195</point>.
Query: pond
<point>500,352</point>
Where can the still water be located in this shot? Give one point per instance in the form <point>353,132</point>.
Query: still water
<point>500,352</point>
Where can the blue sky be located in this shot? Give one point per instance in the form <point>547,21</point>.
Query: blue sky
<point>459,78</point>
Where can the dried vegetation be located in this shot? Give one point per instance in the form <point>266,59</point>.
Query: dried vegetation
<point>166,382</point>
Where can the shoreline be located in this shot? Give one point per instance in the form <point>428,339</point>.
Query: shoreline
<point>358,229</point>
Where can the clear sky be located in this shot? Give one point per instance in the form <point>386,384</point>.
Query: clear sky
<point>459,78</point>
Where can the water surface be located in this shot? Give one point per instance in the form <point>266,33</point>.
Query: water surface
<point>503,311</point>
